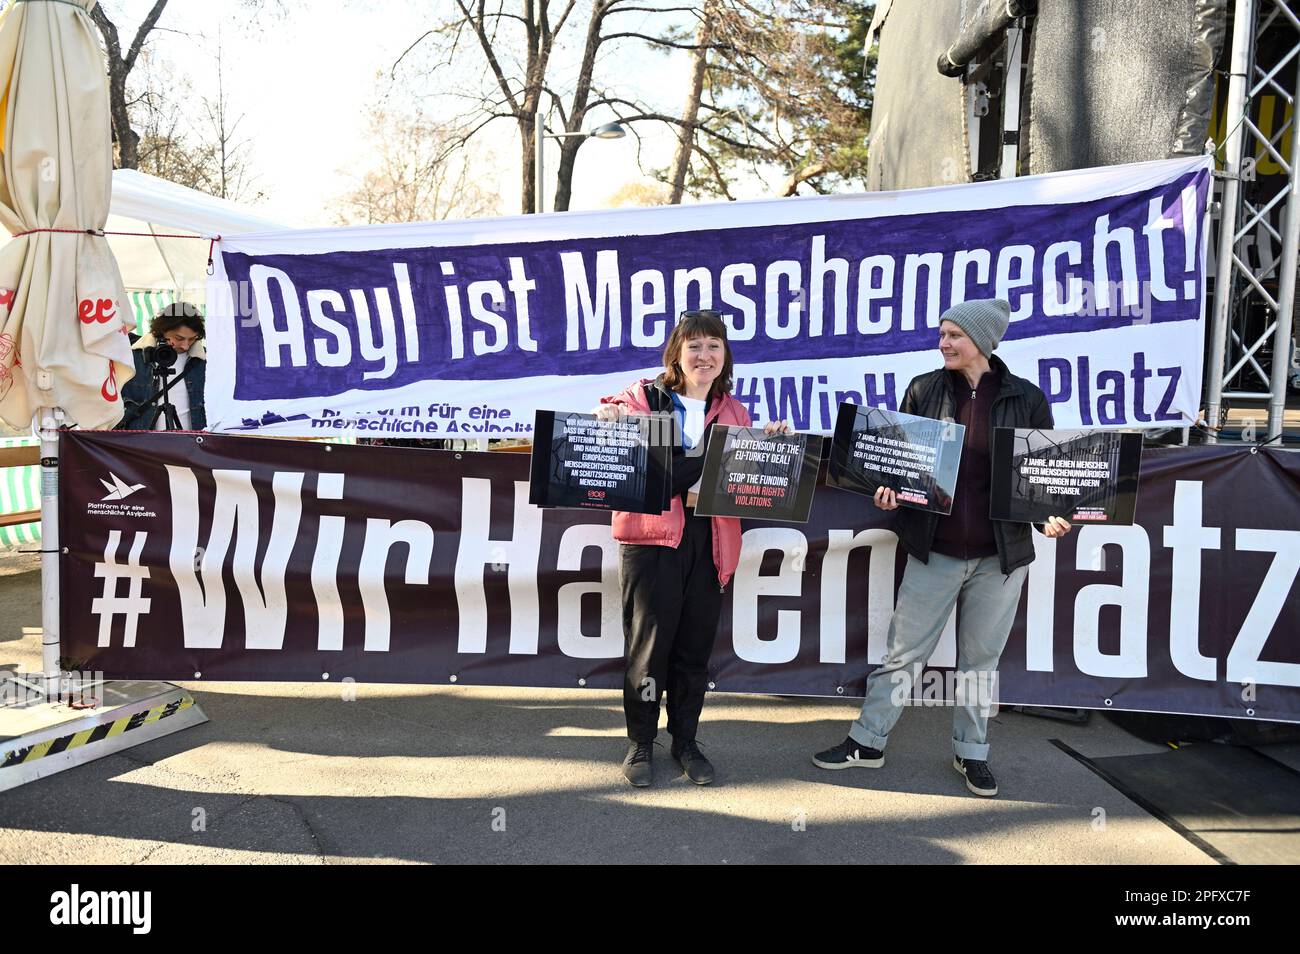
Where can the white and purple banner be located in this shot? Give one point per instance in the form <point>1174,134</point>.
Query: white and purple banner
<point>465,329</point>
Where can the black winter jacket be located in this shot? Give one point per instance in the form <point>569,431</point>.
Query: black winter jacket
<point>1019,403</point>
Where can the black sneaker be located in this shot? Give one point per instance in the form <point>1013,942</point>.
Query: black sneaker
<point>637,765</point>
<point>849,754</point>
<point>979,779</point>
<point>697,768</point>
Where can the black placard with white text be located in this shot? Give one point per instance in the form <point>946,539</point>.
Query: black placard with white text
<point>580,461</point>
<point>916,457</point>
<point>750,474</point>
<point>1083,476</point>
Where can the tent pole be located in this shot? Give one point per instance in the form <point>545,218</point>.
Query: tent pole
<point>50,419</point>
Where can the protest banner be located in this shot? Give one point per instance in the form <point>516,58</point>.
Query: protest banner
<point>466,329</point>
<point>207,557</point>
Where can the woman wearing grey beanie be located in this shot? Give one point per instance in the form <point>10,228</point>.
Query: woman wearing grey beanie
<point>964,558</point>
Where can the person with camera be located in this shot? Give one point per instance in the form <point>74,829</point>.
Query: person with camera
<point>166,393</point>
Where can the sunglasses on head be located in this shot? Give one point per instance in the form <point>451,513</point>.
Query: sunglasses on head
<point>701,313</point>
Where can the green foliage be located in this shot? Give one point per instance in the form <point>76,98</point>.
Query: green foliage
<point>786,99</point>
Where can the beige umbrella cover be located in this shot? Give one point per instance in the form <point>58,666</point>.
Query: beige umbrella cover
<point>63,311</point>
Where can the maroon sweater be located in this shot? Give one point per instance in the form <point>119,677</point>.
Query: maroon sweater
<point>967,533</point>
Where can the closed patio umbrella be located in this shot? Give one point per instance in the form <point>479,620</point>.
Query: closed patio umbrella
<point>63,310</point>
<point>64,350</point>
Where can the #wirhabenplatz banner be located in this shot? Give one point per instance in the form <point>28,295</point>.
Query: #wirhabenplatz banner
<point>279,560</point>
<point>466,329</point>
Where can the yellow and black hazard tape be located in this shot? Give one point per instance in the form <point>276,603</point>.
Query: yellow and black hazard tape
<point>100,732</point>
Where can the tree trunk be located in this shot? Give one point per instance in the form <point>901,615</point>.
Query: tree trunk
<point>528,155</point>
<point>128,140</point>
<point>569,146</point>
<point>119,67</point>
<point>691,111</point>
<point>564,175</point>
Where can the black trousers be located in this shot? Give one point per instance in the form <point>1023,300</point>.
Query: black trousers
<point>671,605</point>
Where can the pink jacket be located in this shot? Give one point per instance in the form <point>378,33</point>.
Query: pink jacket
<point>665,529</point>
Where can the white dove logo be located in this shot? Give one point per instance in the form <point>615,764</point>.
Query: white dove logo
<point>117,488</point>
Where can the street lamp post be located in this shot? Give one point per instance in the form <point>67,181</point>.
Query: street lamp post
<point>607,131</point>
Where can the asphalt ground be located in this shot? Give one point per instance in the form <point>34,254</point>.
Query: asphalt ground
<point>297,773</point>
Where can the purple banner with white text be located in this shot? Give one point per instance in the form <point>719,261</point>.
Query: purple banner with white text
<point>465,329</point>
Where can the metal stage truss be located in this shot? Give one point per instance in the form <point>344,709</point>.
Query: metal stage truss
<point>1265,48</point>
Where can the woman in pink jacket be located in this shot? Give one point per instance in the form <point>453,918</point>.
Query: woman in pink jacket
<point>674,566</point>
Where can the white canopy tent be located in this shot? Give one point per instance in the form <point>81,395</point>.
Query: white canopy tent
<point>157,270</point>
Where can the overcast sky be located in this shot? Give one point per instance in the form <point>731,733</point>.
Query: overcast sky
<point>304,79</point>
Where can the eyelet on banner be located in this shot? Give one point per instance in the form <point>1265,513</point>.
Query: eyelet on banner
<point>328,448</point>
<point>839,690</point>
<point>1108,702</point>
<point>198,675</point>
<point>453,677</point>
<point>582,682</point>
<point>713,685</point>
<point>458,457</point>
<point>1250,712</point>
<point>198,440</point>
<point>325,676</point>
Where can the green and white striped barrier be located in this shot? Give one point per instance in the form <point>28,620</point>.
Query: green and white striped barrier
<point>20,489</point>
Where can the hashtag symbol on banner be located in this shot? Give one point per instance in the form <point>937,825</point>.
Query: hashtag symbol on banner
<point>109,604</point>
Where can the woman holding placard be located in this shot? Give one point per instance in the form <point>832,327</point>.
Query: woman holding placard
<point>674,566</point>
<point>963,559</point>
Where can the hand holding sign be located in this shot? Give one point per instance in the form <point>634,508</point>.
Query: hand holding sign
<point>886,499</point>
<point>1056,527</point>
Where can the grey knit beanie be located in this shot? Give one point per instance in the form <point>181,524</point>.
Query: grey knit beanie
<point>985,320</point>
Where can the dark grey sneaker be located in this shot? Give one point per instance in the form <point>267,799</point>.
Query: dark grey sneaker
<point>979,779</point>
<point>637,765</point>
<point>849,754</point>
<point>697,768</point>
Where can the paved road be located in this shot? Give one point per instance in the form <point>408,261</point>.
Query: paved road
<point>296,773</point>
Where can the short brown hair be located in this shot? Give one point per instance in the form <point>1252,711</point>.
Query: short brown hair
<point>176,315</point>
<point>696,324</point>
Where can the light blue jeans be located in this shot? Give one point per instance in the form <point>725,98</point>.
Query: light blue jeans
<point>986,607</point>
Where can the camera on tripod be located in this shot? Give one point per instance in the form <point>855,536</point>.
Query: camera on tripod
<point>160,359</point>
<point>160,356</point>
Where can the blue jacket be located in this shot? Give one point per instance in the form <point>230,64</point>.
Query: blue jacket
<point>140,387</point>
